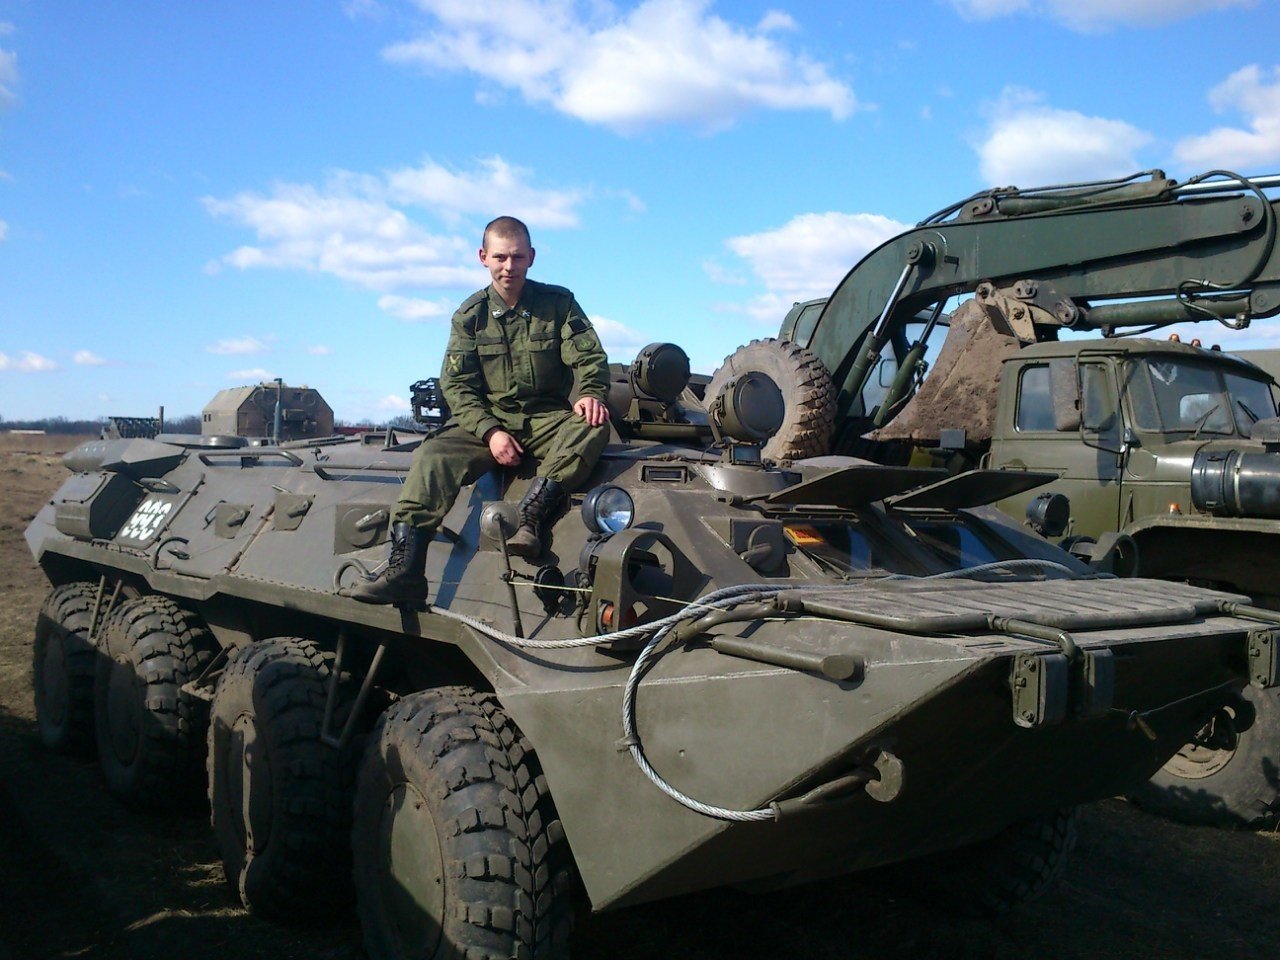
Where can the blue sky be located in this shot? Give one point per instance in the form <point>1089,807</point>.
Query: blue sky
<point>200,195</point>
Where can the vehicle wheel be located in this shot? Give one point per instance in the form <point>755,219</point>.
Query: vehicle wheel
<point>995,876</point>
<point>806,388</point>
<point>458,849</point>
<point>150,734</point>
<point>1230,774</point>
<point>279,798</point>
<point>62,669</point>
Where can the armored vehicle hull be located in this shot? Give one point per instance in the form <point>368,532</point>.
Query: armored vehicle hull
<point>750,676</point>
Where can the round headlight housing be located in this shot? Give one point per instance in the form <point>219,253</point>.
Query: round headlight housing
<point>608,509</point>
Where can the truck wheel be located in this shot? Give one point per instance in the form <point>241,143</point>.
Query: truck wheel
<point>458,849</point>
<point>806,387</point>
<point>279,798</point>
<point>995,876</point>
<point>150,734</point>
<point>62,669</point>
<point>1230,774</point>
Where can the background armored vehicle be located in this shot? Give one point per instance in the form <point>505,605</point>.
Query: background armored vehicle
<point>269,409</point>
<point>722,672</point>
<point>1184,470</point>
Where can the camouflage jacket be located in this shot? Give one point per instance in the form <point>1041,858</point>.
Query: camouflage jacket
<point>504,364</point>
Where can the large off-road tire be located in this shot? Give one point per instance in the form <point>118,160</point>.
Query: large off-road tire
<point>150,734</point>
<point>279,798</point>
<point>63,658</point>
<point>807,390</point>
<point>995,876</point>
<point>1229,776</point>
<point>458,849</point>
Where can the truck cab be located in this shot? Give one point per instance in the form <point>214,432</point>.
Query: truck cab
<point>1124,423</point>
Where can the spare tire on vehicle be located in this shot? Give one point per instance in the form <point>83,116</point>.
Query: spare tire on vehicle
<point>806,387</point>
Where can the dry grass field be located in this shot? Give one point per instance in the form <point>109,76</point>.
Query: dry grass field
<point>80,876</point>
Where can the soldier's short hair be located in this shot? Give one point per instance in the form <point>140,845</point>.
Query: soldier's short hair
<point>508,227</point>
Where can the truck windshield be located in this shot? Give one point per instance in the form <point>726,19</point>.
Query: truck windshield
<point>1170,394</point>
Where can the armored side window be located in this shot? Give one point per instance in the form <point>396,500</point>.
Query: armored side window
<point>1035,400</point>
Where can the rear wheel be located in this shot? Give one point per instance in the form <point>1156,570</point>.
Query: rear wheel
<point>62,669</point>
<point>458,849</point>
<point>1230,773</point>
<point>995,876</point>
<point>279,798</point>
<point>150,733</point>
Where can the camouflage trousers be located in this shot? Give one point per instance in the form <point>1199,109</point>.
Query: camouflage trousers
<point>566,446</point>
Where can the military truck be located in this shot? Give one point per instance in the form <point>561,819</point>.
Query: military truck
<point>723,671</point>
<point>1164,446</point>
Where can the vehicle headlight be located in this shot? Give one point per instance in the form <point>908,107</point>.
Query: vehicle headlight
<point>608,509</point>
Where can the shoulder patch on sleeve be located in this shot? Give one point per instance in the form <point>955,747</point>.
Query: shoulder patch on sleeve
<point>578,325</point>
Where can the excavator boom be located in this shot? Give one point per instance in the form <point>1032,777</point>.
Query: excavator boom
<point>1113,256</point>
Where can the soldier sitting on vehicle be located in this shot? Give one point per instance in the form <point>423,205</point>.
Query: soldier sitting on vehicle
<point>509,368</point>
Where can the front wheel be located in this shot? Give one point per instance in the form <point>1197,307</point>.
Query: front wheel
<point>995,876</point>
<point>62,668</point>
<point>1229,775</point>
<point>458,850</point>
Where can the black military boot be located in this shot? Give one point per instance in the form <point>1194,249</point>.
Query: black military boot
<point>404,580</point>
<point>536,508</point>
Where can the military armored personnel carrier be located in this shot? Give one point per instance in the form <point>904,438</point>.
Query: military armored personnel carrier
<point>1163,447</point>
<point>723,671</point>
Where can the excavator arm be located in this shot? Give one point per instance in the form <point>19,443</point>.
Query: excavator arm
<point>1117,257</point>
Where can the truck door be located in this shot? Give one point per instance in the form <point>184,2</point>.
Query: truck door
<point>1086,454</point>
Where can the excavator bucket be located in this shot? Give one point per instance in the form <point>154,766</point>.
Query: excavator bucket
<point>961,390</point>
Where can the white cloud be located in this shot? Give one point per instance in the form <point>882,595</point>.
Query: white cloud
<point>357,9</point>
<point>664,61</point>
<point>1255,94</point>
<point>392,403</point>
<point>808,256</point>
<point>413,309</point>
<point>319,350</point>
<point>4,231</point>
<point>1086,15</point>
<point>1029,144</point>
<point>353,227</point>
<point>718,273</point>
<point>620,341</point>
<point>238,347</point>
<point>87,358</point>
<point>8,77</point>
<point>30,363</point>
<point>448,192</point>
<point>252,375</point>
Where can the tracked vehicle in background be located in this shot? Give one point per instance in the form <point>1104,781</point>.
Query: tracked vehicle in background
<point>1168,452</point>
<point>723,671</point>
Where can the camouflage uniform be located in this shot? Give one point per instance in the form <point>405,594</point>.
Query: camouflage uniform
<point>510,368</point>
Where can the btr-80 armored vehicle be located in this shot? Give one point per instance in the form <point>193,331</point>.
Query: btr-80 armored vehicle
<point>1169,453</point>
<point>723,671</point>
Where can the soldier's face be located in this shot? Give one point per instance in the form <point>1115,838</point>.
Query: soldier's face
<point>507,259</point>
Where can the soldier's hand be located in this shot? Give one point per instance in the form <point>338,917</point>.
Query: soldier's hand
<point>504,447</point>
<point>591,410</point>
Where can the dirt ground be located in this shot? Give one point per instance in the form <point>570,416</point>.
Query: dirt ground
<point>80,876</point>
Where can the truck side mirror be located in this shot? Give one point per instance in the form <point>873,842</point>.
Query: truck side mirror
<point>1064,390</point>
